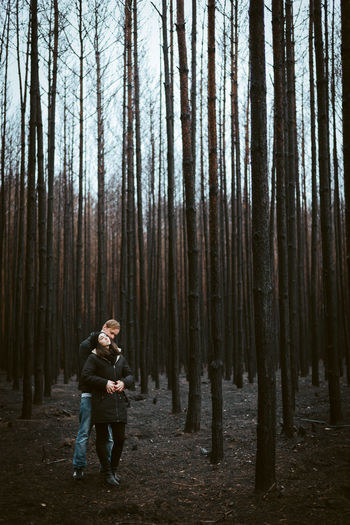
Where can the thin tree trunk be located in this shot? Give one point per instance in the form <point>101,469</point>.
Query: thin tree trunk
<point>79,241</point>
<point>278,49</point>
<point>50,197</point>
<point>42,284</point>
<point>328,268</point>
<point>234,247</point>
<point>264,336</point>
<point>239,255</point>
<point>143,298</point>
<point>194,396</point>
<point>131,242</point>
<point>173,369</point>
<point>291,163</point>
<point>124,245</point>
<point>314,213</point>
<point>19,290</point>
<point>31,214</point>
<point>215,364</point>
<point>345,53</point>
<point>3,214</point>
<point>101,279</point>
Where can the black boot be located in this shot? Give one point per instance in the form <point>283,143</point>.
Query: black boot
<point>114,472</point>
<point>109,478</point>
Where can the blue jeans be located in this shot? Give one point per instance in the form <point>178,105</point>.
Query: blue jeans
<point>81,442</point>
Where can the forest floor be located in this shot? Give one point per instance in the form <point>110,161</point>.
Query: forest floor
<point>166,476</point>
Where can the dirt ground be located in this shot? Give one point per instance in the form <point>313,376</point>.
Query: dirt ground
<point>166,476</point>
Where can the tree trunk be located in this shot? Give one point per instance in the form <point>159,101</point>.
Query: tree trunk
<point>142,271</point>
<point>291,175</point>
<point>194,396</point>
<point>79,241</point>
<point>278,50</point>
<point>3,214</point>
<point>328,268</point>
<point>31,215</point>
<point>215,364</point>
<point>264,336</point>
<point>345,51</point>
<point>173,371</point>
<point>101,279</point>
<point>42,284</point>
<point>131,234</point>
<point>19,289</point>
<point>50,198</point>
<point>314,214</point>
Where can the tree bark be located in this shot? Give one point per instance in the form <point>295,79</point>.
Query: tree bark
<point>142,271</point>
<point>264,336</point>
<point>79,241</point>
<point>314,214</point>
<point>215,364</point>
<point>279,71</point>
<point>194,396</point>
<point>101,279</point>
<point>328,268</point>
<point>31,215</point>
<point>345,53</point>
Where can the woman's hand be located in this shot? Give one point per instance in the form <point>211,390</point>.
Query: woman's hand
<point>119,386</point>
<point>110,386</point>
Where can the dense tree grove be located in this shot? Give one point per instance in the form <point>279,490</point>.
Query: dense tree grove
<point>182,167</point>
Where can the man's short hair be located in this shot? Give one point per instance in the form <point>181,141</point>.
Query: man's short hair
<point>113,324</point>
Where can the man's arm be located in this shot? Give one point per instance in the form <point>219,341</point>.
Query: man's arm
<point>85,349</point>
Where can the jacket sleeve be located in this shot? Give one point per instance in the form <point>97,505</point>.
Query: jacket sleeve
<point>89,376</point>
<point>85,349</point>
<point>128,378</point>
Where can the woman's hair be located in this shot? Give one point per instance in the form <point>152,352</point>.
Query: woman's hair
<point>107,352</point>
<point>114,347</point>
<point>103,351</point>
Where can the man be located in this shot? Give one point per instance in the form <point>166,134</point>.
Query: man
<point>110,328</point>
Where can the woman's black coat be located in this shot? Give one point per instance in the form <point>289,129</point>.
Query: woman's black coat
<point>107,408</point>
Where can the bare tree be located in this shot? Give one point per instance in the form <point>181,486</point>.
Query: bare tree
<point>142,270</point>
<point>31,216</point>
<point>279,71</point>
<point>50,196</point>
<point>101,280</point>
<point>345,49</point>
<point>314,212</point>
<point>264,337</point>
<point>194,396</point>
<point>172,263</point>
<point>328,262</point>
<point>79,241</point>
<point>215,364</point>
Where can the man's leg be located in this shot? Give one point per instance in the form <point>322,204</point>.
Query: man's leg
<point>81,442</point>
<point>109,443</point>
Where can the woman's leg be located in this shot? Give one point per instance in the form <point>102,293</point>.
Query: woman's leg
<point>102,438</point>
<point>118,430</point>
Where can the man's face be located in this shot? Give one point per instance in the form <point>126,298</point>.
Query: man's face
<point>111,332</point>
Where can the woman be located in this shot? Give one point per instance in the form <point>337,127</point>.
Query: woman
<point>107,372</point>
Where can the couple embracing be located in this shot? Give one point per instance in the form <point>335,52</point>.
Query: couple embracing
<point>105,374</point>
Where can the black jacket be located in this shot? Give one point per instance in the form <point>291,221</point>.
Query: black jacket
<point>85,349</point>
<point>107,408</point>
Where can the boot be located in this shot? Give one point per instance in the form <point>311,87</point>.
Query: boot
<point>109,478</point>
<point>114,472</point>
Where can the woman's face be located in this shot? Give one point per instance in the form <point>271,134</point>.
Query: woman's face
<point>104,340</point>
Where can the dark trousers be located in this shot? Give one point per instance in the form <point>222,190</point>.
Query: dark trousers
<point>102,437</point>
